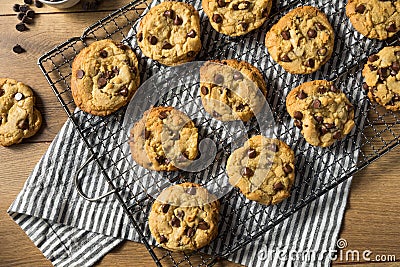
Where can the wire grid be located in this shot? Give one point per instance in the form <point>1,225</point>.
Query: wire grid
<point>378,132</point>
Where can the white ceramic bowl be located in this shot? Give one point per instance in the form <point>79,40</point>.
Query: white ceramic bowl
<point>61,4</point>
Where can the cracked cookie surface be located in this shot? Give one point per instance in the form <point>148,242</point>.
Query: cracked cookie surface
<point>382,77</point>
<point>236,17</point>
<point>376,19</point>
<point>170,33</point>
<point>321,111</point>
<point>19,118</point>
<point>164,139</point>
<point>301,41</point>
<point>184,217</point>
<point>263,169</point>
<point>105,76</point>
<point>231,89</point>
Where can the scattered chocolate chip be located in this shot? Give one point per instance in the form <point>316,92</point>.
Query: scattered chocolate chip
<point>38,4</point>
<point>221,3</point>
<point>301,95</point>
<point>16,7</point>
<point>322,51</point>
<point>218,79</point>
<point>273,147</point>
<point>175,222</point>
<point>247,172</point>
<point>163,239</point>
<point>203,225</point>
<point>252,153</point>
<point>18,49</point>
<point>140,36</point>
<point>204,90</point>
<point>237,75</point>
<point>337,135</point>
<point>21,27</point>
<point>192,34</point>
<point>101,82</point>
<point>244,25</point>
<point>80,74</point>
<point>320,26</point>
<point>285,58</point>
<point>372,67</point>
<point>18,96</point>
<point>191,191</point>
<point>153,40</point>
<point>163,115</point>
<point>166,45</point>
<point>329,125</point>
<point>103,53</point>
<point>216,114</point>
<point>319,119</point>
<point>123,91</point>
<point>2,92</point>
<point>285,35</point>
<point>180,214</point>
<point>278,186</point>
<point>165,208</point>
<point>146,134</point>
<point>316,103</point>
<point>391,28</point>
<point>24,8</point>
<point>311,33</point>
<point>29,2</point>
<point>333,89</point>
<point>365,86</point>
<point>24,125</point>
<point>298,115</point>
<point>373,58</point>
<point>20,16</point>
<point>287,168</point>
<point>190,232</point>
<point>310,63</point>
<point>298,124</point>
<point>178,20</point>
<point>360,9</point>
<point>217,18</point>
<point>169,14</point>
<point>27,20</point>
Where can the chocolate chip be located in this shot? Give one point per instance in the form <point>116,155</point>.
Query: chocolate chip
<point>397,53</point>
<point>16,7</point>
<point>103,53</point>
<point>191,191</point>
<point>27,20</point>
<point>349,107</point>
<point>287,168</point>
<point>140,36</point>
<point>2,92</point>
<point>322,51</point>
<point>29,2</point>
<point>221,3</point>
<point>301,95</point>
<point>373,58</point>
<point>383,73</point>
<point>337,135</point>
<point>146,134</point>
<point>247,172</point>
<point>319,119</point>
<point>218,79</point>
<point>323,130</point>
<point>162,160</point>
<point>165,208</point>
<point>153,40</point>
<point>329,125</point>
<point>320,26</point>
<point>391,28</point>
<point>310,63</point>
<point>265,13</point>
<point>216,114</point>
<point>18,96</point>
<point>169,14</point>
<point>365,86</point>
<point>298,115</point>
<point>178,20</point>
<point>240,107</point>
<point>163,115</point>
<point>190,232</point>
<point>204,90</point>
<point>285,35</point>
<point>322,89</point>
<point>192,34</point>
<point>311,33</point>
<point>24,8</point>
<point>252,153</point>
<point>80,74</point>
<point>175,222</point>
<point>235,7</point>
<point>316,103</point>
<point>115,70</point>
<point>285,58</point>
<point>360,9</point>
<point>180,214</point>
<point>124,91</point>
<point>395,66</point>
<point>278,186</point>
<point>20,16</point>
<point>203,225</point>
<point>21,27</point>
<point>333,89</point>
<point>372,67</point>
<point>244,25</point>
<point>273,147</point>
<point>166,45</point>
<point>217,18</point>
<point>38,4</point>
<point>24,125</point>
<point>298,124</point>
<point>163,239</point>
<point>18,49</point>
<point>101,82</point>
<point>237,75</point>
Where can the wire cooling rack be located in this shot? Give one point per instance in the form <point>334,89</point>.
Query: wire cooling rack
<point>318,170</point>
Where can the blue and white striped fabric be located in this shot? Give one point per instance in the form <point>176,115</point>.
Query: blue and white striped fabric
<point>71,231</point>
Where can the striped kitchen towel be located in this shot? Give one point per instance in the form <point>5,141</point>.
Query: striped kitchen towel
<point>71,231</point>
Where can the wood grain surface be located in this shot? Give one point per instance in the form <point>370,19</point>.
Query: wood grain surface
<point>371,220</point>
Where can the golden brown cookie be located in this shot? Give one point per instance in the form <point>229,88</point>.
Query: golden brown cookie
<point>184,217</point>
<point>170,33</point>
<point>105,76</point>
<point>377,19</point>
<point>382,77</point>
<point>164,139</point>
<point>321,111</point>
<point>263,169</point>
<point>231,89</point>
<point>19,118</point>
<point>302,40</point>
<point>237,17</point>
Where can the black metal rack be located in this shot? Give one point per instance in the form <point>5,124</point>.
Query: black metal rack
<point>377,130</point>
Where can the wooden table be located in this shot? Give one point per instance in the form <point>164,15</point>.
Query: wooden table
<point>372,216</point>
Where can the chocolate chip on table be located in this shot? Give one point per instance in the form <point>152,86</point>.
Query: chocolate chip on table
<point>246,171</point>
<point>30,14</point>
<point>20,15</point>
<point>101,82</point>
<point>21,27</point>
<point>217,18</point>
<point>80,74</point>
<point>190,232</point>
<point>204,90</point>
<point>360,8</point>
<point>163,115</point>
<point>165,208</point>
<point>301,95</point>
<point>169,14</point>
<point>278,186</point>
<point>273,147</point>
<point>38,4</point>
<point>27,20</point>
<point>153,40</point>
<point>23,8</point>
<point>24,125</point>
<point>191,34</point>
<point>18,49</point>
<point>285,58</point>
<point>103,53</point>
<point>373,58</point>
<point>287,168</point>
<point>337,135</point>
<point>311,33</point>
<point>218,79</point>
<point>166,45</point>
<point>2,92</point>
<point>163,239</point>
<point>285,35</point>
<point>237,75</point>
<point>391,28</point>
<point>252,153</point>
<point>16,7</point>
<point>178,20</point>
<point>221,3</point>
<point>298,124</point>
<point>29,2</point>
<point>175,222</point>
<point>298,115</point>
<point>123,91</point>
<point>18,96</point>
<point>203,225</point>
<point>191,191</point>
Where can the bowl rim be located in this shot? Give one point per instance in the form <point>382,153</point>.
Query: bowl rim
<point>58,2</point>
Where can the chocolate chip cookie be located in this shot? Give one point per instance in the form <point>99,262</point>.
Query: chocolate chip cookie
<point>321,111</point>
<point>164,139</point>
<point>237,17</point>
<point>302,40</point>
<point>184,217</point>
<point>19,118</point>
<point>231,89</point>
<point>263,169</point>
<point>382,77</point>
<point>105,76</point>
<point>377,19</point>
<point>170,33</point>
